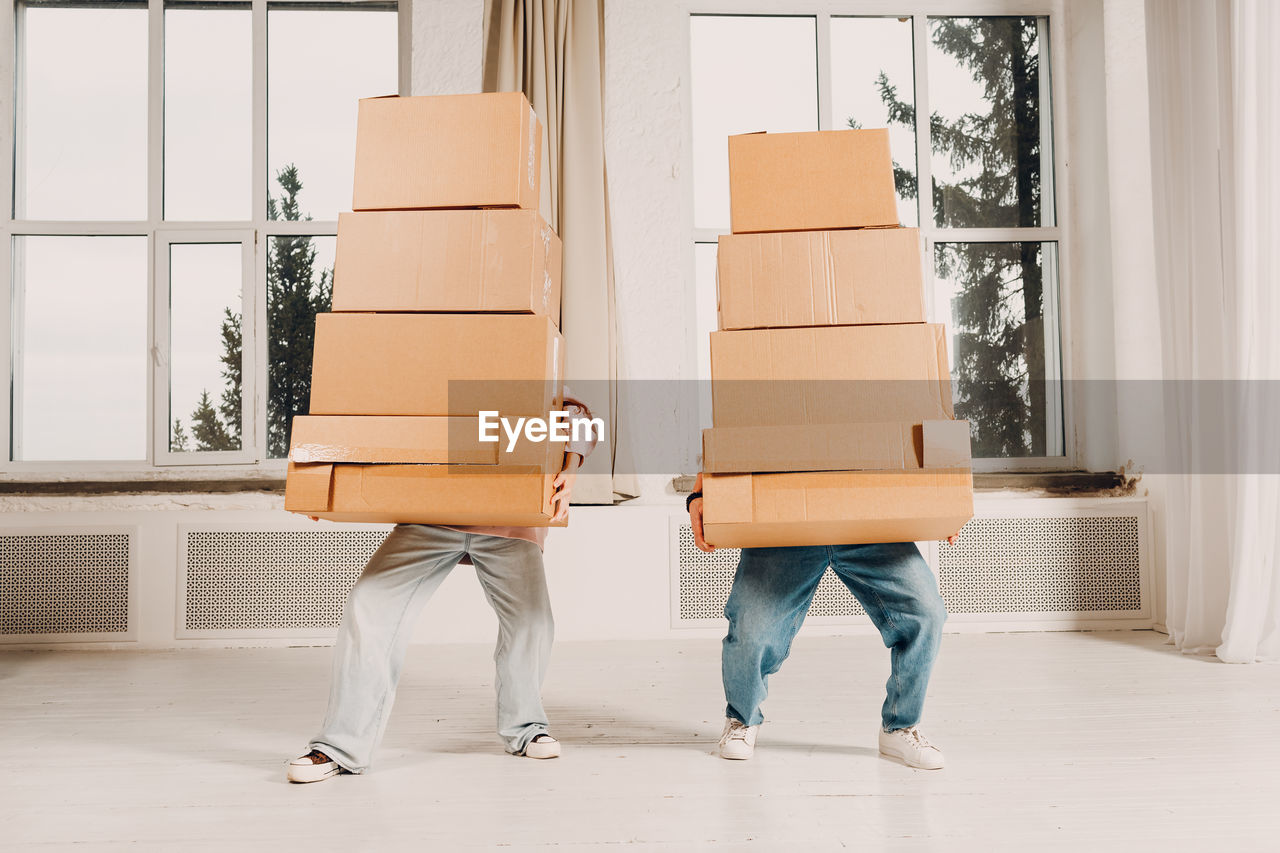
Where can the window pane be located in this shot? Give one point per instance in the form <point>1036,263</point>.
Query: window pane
<point>80,348</point>
<point>749,74</point>
<point>319,63</point>
<point>299,284</point>
<point>208,113</point>
<point>205,354</point>
<point>873,85</point>
<point>82,124</point>
<point>992,152</point>
<point>1004,363</point>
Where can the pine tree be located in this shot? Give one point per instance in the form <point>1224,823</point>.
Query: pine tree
<point>296,292</point>
<point>178,438</point>
<point>998,315</point>
<point>207,428</point>
<point>229,406</point>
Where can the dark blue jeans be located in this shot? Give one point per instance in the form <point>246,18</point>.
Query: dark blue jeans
<point>771,594</point>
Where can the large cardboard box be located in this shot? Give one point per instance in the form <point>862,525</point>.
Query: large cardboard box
<point>830,375</point>
<point>447,151</point>
<point>416,470</point>
<point>447,261</point>
<point>811,181</point>
<point>836,447</point>
<point>835,507</point>
<point>436,364</point>
<point>818,278</point>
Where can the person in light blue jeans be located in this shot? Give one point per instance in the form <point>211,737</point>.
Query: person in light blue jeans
<point>771,594</point>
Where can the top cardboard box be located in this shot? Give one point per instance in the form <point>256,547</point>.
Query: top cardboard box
<point>815,181</point>
<point>447,151</point>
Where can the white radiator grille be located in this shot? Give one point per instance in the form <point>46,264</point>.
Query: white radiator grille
<point>64,583</point>
<point>1034,565</point>
<point>1077,565</point>
<point>704,581</point>
<point>271,580</point>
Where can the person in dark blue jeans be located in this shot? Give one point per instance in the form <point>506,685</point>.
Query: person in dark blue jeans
<point>771,593</point>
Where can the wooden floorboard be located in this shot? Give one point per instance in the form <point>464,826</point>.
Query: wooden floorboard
<point>1055,741</point>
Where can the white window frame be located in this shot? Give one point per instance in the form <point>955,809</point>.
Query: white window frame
<point>1056,193</point>
<point>258,231</point>
<point>161,354</point>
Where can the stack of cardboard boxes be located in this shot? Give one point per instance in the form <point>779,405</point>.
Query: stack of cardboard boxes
<point>446,303</point>
<point>831,397</point>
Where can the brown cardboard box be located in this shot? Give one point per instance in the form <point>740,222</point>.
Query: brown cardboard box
<point>448,261</point>
<point>447,151</point>
<point>836,447</point>
<point>436,364</point>
<point>830,375</point>
<point>819,278</point>
<point>811,181</point>
<point>835,507</point>
<point>407,440</point>
<point>416,470</point>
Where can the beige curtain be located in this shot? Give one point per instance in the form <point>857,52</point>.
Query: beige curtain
<point>553,51</point>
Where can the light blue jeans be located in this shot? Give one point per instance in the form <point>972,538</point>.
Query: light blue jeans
<point>771,594</point>
<point>378,621</point>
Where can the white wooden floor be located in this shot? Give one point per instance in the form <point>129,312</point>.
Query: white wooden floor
<point>1103,741</point>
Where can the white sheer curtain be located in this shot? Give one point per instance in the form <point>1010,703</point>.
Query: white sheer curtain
<point>1215,86</point>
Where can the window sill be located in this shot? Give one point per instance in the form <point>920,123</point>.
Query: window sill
<point>1048,483</point>
<point>153,482</point>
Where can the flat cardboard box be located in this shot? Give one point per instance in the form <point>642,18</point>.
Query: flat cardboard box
<point>447,151</point>
<point>830,375</point>
<point>418,471</point>
<point>819,278</point>
<point>447,261</point>
<point>406,440</point>
<point>811,181</point>
<point>436,364</point>
<point>835,507</point>
<point>836,447</point>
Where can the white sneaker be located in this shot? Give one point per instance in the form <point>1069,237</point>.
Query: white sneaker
<point>738,740</point>
<point>315,766</point>
<point>912,748</point>
<point>542,746</point>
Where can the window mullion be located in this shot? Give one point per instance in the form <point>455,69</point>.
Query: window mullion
<point>924,148</point>
<point>155,209</point>
<point>254,323</point>
<point>823,32</point>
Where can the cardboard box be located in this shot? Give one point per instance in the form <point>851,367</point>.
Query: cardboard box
<point>436,364</point>
<point>819,278</point>
<point>416,470</point>
<point>413,440</point>
<point>447,261</point>
<point>836,447</point>
<point>830,375</point>
<point>447,151</point>
<point>811,181</point>
<point>835,507</point>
